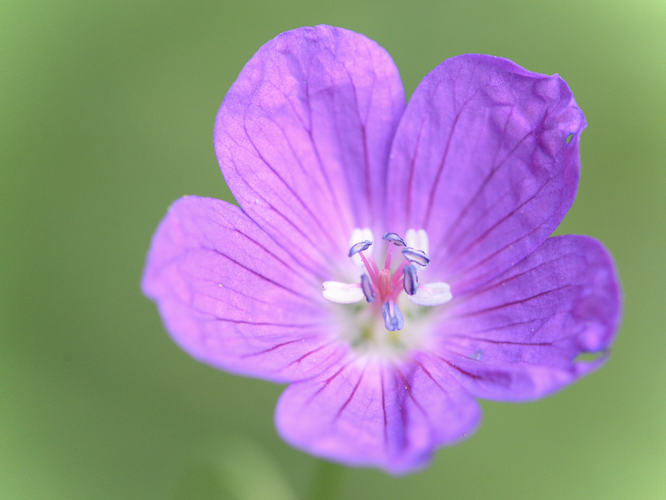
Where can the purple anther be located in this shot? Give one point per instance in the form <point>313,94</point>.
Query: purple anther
<point>395,239</point>
<point>368,290</point>
<point>359,247</point>
<point>393,319</point>
<point>416,256</point>
<point>410,280</point>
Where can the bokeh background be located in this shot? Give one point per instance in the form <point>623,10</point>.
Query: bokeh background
<point>107,112</point>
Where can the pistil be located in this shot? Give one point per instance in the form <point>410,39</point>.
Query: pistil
<point>387,284</point>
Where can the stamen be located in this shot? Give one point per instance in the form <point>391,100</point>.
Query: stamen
<point>359,247</point>
<point>385,285</point>
<point>366,287</point>
<point>417,239</point>
<point>397,275</point>
<point>432,294</point>
<point>416,256</point>
<point>370,265</point>
<point>356,236</point>
<point>360,235</point>
<point>341,293</point>
<point>393,319</point>
<point>410,281</point>
<point>395,239</point>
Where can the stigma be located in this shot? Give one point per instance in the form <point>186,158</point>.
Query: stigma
<point>381,285</point>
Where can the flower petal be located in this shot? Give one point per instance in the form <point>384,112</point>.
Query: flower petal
<point>486,160</point>
<point>519,337</point>
<point>232,298</point>
<point>303,137</point>
<point>371,414</point>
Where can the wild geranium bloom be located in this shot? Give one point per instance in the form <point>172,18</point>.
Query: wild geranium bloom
<point>391,263</point>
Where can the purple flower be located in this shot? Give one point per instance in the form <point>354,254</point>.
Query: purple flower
<point>391,263</point>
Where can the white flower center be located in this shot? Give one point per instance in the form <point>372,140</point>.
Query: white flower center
<point>385,289</point>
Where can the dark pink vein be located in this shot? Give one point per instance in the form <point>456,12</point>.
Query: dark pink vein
<point>410,178</point>
<point>258,274</point>
<point>496,224</point>
<point>272,348</point>
<point>259,323</point>
<point>366,160</point>
<point>442,163</point>
<point>457,368</point>
<point>314,272</point>
<point>328,381</point>
<point>308,354</point>
<point>512,303</point>
<point>408,388</point>
<point>502,281</point>
<point>503,342</point>
<point>495,168</point>
<point>435,184</point>
<point>425,370</point>
<point>295,227</point>
<point>381,380</point>
<point>351,396</point>
<point>295,195</point>
<point>315,149</point>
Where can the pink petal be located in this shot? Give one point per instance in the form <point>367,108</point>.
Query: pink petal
<point>382,415</point>
<point>233,298</point>
<point>519,336</point>
<point>303,138</point>
<point>486,160</point>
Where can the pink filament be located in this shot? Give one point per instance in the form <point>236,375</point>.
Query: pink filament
<point>388,284</point>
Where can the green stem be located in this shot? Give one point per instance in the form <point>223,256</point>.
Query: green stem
<point>326,481</point>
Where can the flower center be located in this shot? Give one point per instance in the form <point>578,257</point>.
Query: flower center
<point>383,286</point>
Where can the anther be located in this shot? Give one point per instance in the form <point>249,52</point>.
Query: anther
<point>417,239</point>
<point>393,319</point>
<point>368,290</point>
<point>416,256</point>
<point>395,239</point>
<point>359,247</point>
<point>410,281</point>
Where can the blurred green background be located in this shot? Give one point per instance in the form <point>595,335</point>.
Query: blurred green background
<point>107,117</point>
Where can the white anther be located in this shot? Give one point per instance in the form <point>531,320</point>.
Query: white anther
<point>342,293</point>
<point>432,294</point>
<point>357,236</point>
<point>417,239</point>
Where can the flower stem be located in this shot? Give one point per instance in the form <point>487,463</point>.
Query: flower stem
<point>326,481</point>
